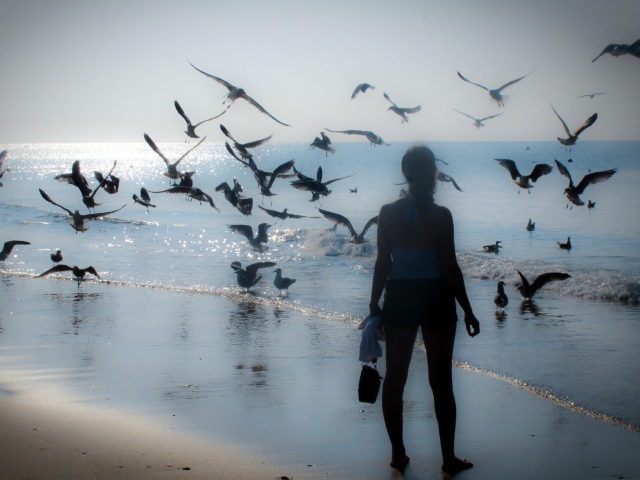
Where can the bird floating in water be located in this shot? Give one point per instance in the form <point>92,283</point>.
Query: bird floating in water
<point>354,190</point>
<point>191,129</point>
<point>282,283</point>
<point>235,197</point>
<point>248,277</point>
<point>616,50</point>
<point>500,298</point>
<point>477,122</point>
<point>357,238</point>
<point>363,87</point>
<point>372,137</point>
<point>258,242</point>
<point>565,246</point>
<point>573,192</point>
<point>3,155</point>
<point>528,291</point>
<point>78,219</point>
<point>8,247</point>
<point>283,215</point>
<point>493,248</point>
<point>144,199</point>
<point>524,181</point>
<point>236,93</point>
<point>591,204</point>
<point>242,147</point>
<point>495,95</point>
<point>530,226</point>
<point>56,257</point>
<point>172,168</point>
<point>323,143</point>
<point>591,95</point>
<point>402,112</point>
<point>573,137</point>
<point>78,272</point>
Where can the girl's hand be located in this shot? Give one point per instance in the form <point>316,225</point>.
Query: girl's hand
<point>472,324</point>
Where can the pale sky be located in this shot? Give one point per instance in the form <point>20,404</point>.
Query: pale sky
<point>98,71</point>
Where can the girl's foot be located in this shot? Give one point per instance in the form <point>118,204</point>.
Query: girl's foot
<point>399,463</point>
<point>456,465</point>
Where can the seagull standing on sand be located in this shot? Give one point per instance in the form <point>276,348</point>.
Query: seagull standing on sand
<point>363,87</point>
<point>282,283</point>
<point>172,168</point>
<point>357,238</point>
<point>402,112</point>
<point>248,277</point>
<point>56,257</point>
<point>500,299</point>
<point>3,155</point>
<point>323,144</point>
<point>144,199</point>
<point>528,291</point>
<point>524,181</point>
<point>191,129</point>
<point>495,95</point>
<point>8,247</point>
<point>258,242</point>
<point>616,49</point>
<point>78,218</point>
<point>531,226</point>
<point>565,246</point>
<point>236,93</point>
<point>477,122</point>
<point>573,192</point>
<point>572,138</point>
<point>78,272</point>
<point>372,137</point>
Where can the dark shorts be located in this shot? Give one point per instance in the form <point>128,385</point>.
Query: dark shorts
<point>427,302</point>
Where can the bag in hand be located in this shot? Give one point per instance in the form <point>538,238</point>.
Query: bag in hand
<point>369,384</point>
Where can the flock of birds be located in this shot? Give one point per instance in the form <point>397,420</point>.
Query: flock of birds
<point>248,276</point>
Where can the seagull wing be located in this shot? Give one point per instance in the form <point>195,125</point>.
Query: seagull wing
<point>545,278</point>
<point>230,150</point>
<point>145,194</point>
<point>372,221</point>
<point>566,129</point>
<point>261,108</point>
<point>357,91</point>
<point>539,170</point>
<point>411,110</point>
<point>309,185</point>
<point>90,269</point>
<point>217,79</point>
<point>257,143</point>
<point>325,138</point>
<point>245,230</point>
<point>181,112</point>
<point>513,81</point>
<point>487,118</point>
<point>176,189</point>
<point>336,179</point>
<point>607,49</point>
<point>57,268</point>
<point>564,171</point>
<point>3,155</point>
<point>338,219</point>
<point>103,180</point>
<point>469,81</point>
<point>252,270</point>
<point>175,164</point>
<point>273,213</point>
<point>389,99</point>
<point>525,282</point>
<point>79,180</point>
<point>592,178</point>
<point>153,146</point>
<point>48,199</point>
<point>212,118</point>
<point>472,118</point>
<point>93,216</point>
<point>448,178</point>
<point>510,165</point>
<point>590,121</point>
<point>223,187</point>
<point>348,132</point>
<point>8,246</point>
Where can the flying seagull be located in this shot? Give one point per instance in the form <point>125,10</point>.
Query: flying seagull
<point>191,129</point>
<point>78,218</point>
<point>283,215</point>
<point>172,168</point>
<point>372,137</point>
<point>495,95</point>
<point>573,137</point>
<point>282,283</point>
<point>242,147</point>
<point>363,87</point>
<point>357,238</point>
<point>236,93</point>
<point>477,122</point>
<point>400,110</point>
<point>3,155</point>
<point>201,196</point>
<point>524,181</point>
<point>89,200</point>
<point>235,198</point>
<point>615,50</point>
<point>528,291</point>
<point>500,298</point>
<point>110,184</point>
<point>316,186</point>
<point>444,178</point>
<point>78,272</point>
<point>8,247</point>
<point>591,95</point>
<point>248,277</point>
<point>591,204</point>
<point>573,192</point>
<point>258,242</point>
<point>144,199</point>
<point>323,144</point>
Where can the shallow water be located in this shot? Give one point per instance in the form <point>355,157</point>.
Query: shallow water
<point>578,339</point>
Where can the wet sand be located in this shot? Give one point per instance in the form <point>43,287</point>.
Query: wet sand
<point>108,381</point>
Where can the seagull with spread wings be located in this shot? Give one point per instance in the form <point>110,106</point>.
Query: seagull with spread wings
<point>258,242</point>
<point>77,217</point>
<point>283,215</point>
<point>616,49</point>
<point>477,122</point>
<point>172,168</point>
<point>78,272</point>
<point>524,181</point>
<point>363,87</point>
<point>573,192</point>
<point>236,93</point>
<point>573,137</point>
<point>372,137</point>
<point>591,95</point>
<point>401,111</point>
<point>357,238</point>
<point>248,277</point>
<point>8,248</point>
<point>316,186</point>
<point>242,147</point>
<point>234,197</point>
<point>323,143</point>
<point>144,199</point>
<point>496,94</point>
<point>529,290</point>
<point>191,129</point>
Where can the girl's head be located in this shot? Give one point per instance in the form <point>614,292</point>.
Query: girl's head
<point>419,168</point>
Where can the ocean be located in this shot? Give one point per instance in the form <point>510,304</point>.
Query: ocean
<point>576,343</point>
